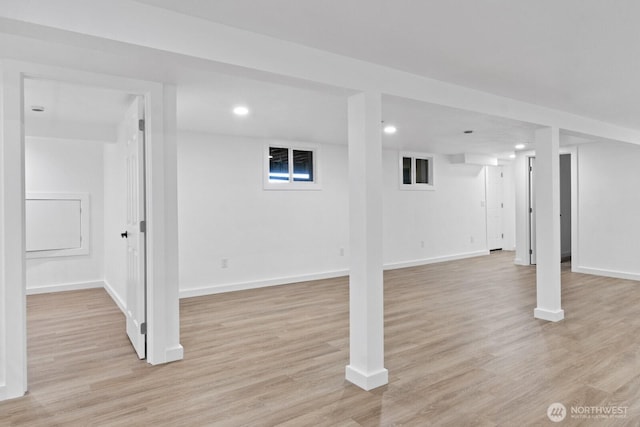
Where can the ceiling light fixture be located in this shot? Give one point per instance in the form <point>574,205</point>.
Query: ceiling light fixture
<point>512,156</point>
<point>390,129</point>
<point>37,108</point>
<point>520,146</point>
<point>468,131</point>
<point>240,110</point>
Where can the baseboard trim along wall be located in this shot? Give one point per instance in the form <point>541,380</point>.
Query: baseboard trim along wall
<point>115,297</point>
<point>425,261</point>
<point>64,287</point>
<point>606,273</point>
<point>242,286</point>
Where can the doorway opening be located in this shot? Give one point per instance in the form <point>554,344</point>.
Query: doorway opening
<point>84,188</point>
<point>565,209</point>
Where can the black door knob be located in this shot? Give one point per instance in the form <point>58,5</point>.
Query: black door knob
<point>124,235</point>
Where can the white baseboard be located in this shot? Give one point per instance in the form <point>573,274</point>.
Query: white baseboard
<point>7,394</point>
<point>425,261</point>
<point>64,287</point>
<point>115,297</point>
<point>552,316</point>
<point>174,353</point>
<point>366,381</point>
<point>606,273</point>
<point>241,286</point>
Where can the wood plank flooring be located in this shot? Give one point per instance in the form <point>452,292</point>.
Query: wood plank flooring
<point>462,348</point>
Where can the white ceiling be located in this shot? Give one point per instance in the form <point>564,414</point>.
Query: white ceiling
<point>543,52</point>
<point>278,111</point>
<point>73,111</point>
<point>579,56</point>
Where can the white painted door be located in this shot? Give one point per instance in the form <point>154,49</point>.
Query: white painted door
<point>532,211</point>
<point>135,230</point>
<point>495,206</point>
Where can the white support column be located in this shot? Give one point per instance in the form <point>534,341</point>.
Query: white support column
<point>547,182</point>
<point>13,346</point>
<point>366,299</point>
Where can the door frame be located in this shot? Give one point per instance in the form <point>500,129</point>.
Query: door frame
<point>161,203</point>
<point>575,253</point>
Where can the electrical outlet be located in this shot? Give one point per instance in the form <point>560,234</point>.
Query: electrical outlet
<point>341,251</point>
<point>471,239</point>
<point>224,263</point>
<point>422,243</point>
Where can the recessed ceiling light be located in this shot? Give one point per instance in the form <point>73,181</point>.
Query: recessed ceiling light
<point>520,146</point>
<point>389,129</point>
<point>37,108</point>
<point>240,110</point>
<point>468,131</point>
<point>512,156</point>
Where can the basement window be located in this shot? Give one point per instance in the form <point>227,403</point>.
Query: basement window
<point>416,171</point>
<point>291,167</point>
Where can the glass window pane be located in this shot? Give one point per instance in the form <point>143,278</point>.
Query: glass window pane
<point>422,171</point>
<point>303,165</point>
<point>278,164</point>
<point>406,170</point>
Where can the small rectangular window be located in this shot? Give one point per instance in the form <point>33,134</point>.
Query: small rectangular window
<point>416,171</point>
<point>278,164</point>
<point>303,165</point>
<point>406,170</point>
<point>293,167</point>
<point>422,171</point>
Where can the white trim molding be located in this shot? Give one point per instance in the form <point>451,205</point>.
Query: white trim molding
<point>425,261</point>
<point>64,287</point>
<point>550,315</point>
<point>606,273</point>
<point>242,286</point>
<point>366,381</point>
<point>115,297</point>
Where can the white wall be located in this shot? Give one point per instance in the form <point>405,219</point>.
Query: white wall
<point>267,236</point>
<point>115,219</point>
<point>273,237</point>
<point>67,166</point>
<point>450,220</point>
<point>609,209</point>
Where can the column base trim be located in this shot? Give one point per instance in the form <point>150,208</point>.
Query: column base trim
<point>175,353</point>
<point>366,381</point>
<point>552,316</point>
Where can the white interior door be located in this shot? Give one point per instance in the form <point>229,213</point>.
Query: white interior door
<point>532,211</point>
<point>495,206</point>
<point>135,228</point>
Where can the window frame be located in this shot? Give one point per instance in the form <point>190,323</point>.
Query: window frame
<point>291,184</point>
<point>430,185</point>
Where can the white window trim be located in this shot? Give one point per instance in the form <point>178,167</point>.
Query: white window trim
<point>415,186</point>
<point>85,215</point>
<point>292,185</point>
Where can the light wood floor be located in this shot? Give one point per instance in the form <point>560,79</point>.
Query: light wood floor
<point>462,348</point>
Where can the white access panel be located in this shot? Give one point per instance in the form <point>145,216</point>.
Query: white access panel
<point>53,224</point>
<point>57,224</point>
